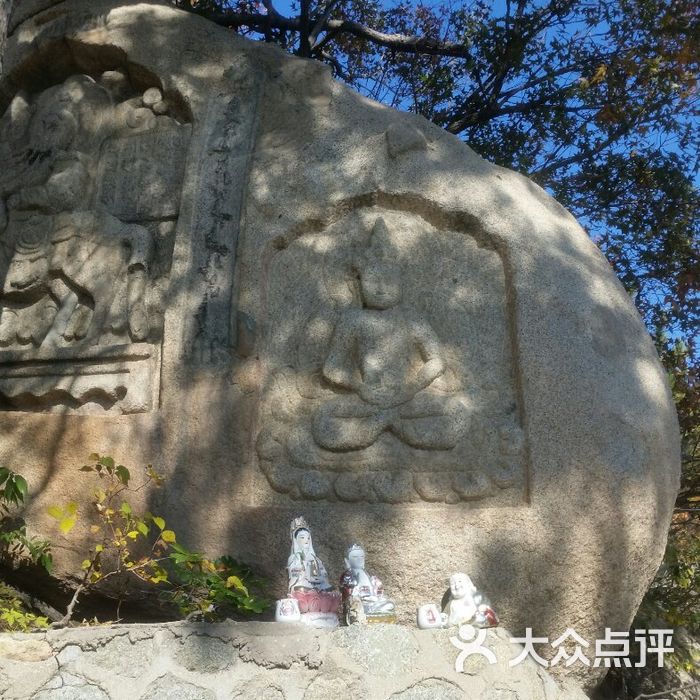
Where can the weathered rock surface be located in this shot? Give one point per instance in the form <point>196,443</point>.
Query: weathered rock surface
<point>77,667</point>
<point>294,300</point>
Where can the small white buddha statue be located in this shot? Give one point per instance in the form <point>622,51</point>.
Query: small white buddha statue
<point>357,585</point>
<point>462,606</point>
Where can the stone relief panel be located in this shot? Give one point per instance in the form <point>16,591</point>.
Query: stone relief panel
<point>88,208</point>
<point>391,366</point>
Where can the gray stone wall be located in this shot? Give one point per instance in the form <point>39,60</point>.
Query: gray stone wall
<point>266,661</point>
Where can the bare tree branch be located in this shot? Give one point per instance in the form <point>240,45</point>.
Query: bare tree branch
<point>397,42</point>
<point>620,132</point>
<point>271,10</point>
<point>335,63</point>
<point>534,82</point>
<point>321,23</point>
<point>304,28</point>
<point>664,693</point>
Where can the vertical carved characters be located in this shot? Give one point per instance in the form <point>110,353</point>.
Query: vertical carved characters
<point>87,210</point>
<point>401,388</point>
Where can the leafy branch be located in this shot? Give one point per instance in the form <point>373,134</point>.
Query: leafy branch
<point>15,544</point>
<point>128,544</point>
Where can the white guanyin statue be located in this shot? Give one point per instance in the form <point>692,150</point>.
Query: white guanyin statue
<point>363,594</point>
<point>308,580</point>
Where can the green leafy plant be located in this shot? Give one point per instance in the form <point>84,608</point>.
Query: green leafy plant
<point>674,595</point>
<point>14,614</point>
<point>213,588</point>
<point>17,547</point>
<point>15,544</point>
<point>128,544</point>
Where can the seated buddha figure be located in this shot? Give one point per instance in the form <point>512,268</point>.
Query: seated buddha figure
<point>385,358</point>
<point>357,586</point>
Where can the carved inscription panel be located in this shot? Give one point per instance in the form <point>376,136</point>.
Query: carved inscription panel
<point>391,366</point>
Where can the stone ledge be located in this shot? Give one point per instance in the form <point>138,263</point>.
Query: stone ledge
<point>272,661</point>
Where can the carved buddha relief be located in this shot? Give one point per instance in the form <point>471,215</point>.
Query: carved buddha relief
<point>384,360</point>
<point>402,385</point>
<point>78,264</point>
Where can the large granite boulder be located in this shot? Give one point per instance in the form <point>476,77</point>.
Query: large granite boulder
<point>291,300</point>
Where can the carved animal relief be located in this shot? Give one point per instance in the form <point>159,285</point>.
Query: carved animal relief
<point>401,387</point>
<point>87,214</point>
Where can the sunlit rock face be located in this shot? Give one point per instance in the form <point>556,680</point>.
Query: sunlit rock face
<point>291,299</point>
